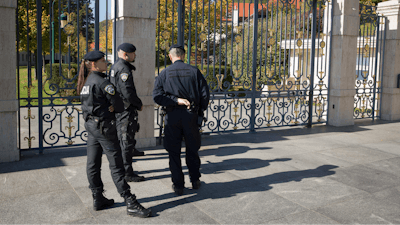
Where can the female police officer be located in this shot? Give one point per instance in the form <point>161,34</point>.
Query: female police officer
<point>98,104</point>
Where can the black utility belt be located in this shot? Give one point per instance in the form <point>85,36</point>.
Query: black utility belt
<point>171,108</point>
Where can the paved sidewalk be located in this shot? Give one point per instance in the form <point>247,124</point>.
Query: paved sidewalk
<point>291,175</point>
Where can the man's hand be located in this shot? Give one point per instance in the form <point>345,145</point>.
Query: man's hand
<point>141,108</point>
<point>111,108</point>
<point>182,101</point>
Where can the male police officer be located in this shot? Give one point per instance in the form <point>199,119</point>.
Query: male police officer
<point>182,89</point>
<point>127,121</point>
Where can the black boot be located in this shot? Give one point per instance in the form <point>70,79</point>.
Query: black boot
<point>134,178</point>
<point>134,208</point>
<point>136,152</point>
<point>100,202</point>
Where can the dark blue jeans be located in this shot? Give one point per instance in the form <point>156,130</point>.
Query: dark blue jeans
<point>96,145</point>
<point>180,123</point>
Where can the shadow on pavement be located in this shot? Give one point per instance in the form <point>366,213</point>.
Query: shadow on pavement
<point>219,190</point>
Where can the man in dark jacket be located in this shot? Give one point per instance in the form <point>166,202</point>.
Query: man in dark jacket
<point>127,121</point>
<point>182,89</point>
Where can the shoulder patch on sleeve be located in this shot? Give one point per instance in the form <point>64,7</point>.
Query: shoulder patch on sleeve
<point>124,76</point>
<point>110,89</point>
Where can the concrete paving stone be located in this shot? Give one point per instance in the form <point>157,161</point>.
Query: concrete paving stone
<point>358,154</point>
<point>25,183</point>
<point>221,181</point>
<point>265,174</point>
<point>76,175</point>
<point>346,138</point>
<point>314,144</point>
<point>32,160</point>
<point>391,147</point>
<point>313,160</point>
<point>387,165</point>
<point>379,136</point>
<point>244,206</point>
<point>314,192</point>
<point>53,207</point>
<point>389,195</point>
<point>90,220</point>
<point>362,209</point>
<point>306,217</point>
<point>365,178</point>
<point>174,212</point>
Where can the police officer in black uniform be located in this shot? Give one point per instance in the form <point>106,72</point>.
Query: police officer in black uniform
<point>99,101</point>
<point>182,89</point>
<point>127,121</point>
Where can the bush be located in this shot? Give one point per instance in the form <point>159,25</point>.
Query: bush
<point>212,80</point>
<point>66,85</point>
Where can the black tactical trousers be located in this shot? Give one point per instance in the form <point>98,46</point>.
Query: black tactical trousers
<point>96,144</point>
<point>180,123</point>
<point>127,126</point>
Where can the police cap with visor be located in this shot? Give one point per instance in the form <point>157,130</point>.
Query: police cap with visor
<point>177,46</point>
<point>126,47</point>
<point>93,56</point>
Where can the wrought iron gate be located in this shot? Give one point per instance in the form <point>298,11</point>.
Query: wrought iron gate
<point>264,60</point>
<point>370,58</point>
<point>47,67</point>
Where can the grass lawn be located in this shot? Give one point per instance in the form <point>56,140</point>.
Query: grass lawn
<point>23,79</point>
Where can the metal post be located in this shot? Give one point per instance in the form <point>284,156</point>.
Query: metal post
<point>180,23</point>
<point>96,25</point>
<point>376,65</point>
<point>52,32</point>
<point>311,92</point>
<point>115,30</point>
<point>254,80</point>
<point>39,71</point>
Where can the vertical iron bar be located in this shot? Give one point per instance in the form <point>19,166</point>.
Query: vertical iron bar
<point>77,29</point>
<point>18,79</point>
<point>115,30</point>
<point>96,25</point>
<point>189,48</point>
<point>39,71</point>
<point>330,56</point>
<point>376,65</point>
<point>87,27</point>
<point>383,61</point>
<point>311,91</point>
<point>253,95</point>
<point>180,23</point>
<point>106,31</point>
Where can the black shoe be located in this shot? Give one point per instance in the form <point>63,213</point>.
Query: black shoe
<point>196,184</point>
<point>137,153</point>
<point>134,208</point>
<point>100,202</point>
<point>178,191</point>
<point>134,178</point>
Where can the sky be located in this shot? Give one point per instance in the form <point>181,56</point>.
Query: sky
<point>102,8</point>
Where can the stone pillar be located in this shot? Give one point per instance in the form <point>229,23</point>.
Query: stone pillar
<point>390,108</point>
<point>8,98</point>
<point>136,24</point>
<point>343,62</point>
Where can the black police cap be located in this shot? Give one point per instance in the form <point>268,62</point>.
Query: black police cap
<point>126,47</point>
<point>93,55</point>
<point>177,46</point>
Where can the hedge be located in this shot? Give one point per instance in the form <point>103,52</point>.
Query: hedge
<point>62,82</point>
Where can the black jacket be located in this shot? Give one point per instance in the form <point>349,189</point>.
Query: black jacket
<point>122,78</point>
<point>97,95</point>
<point>181,80</point>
